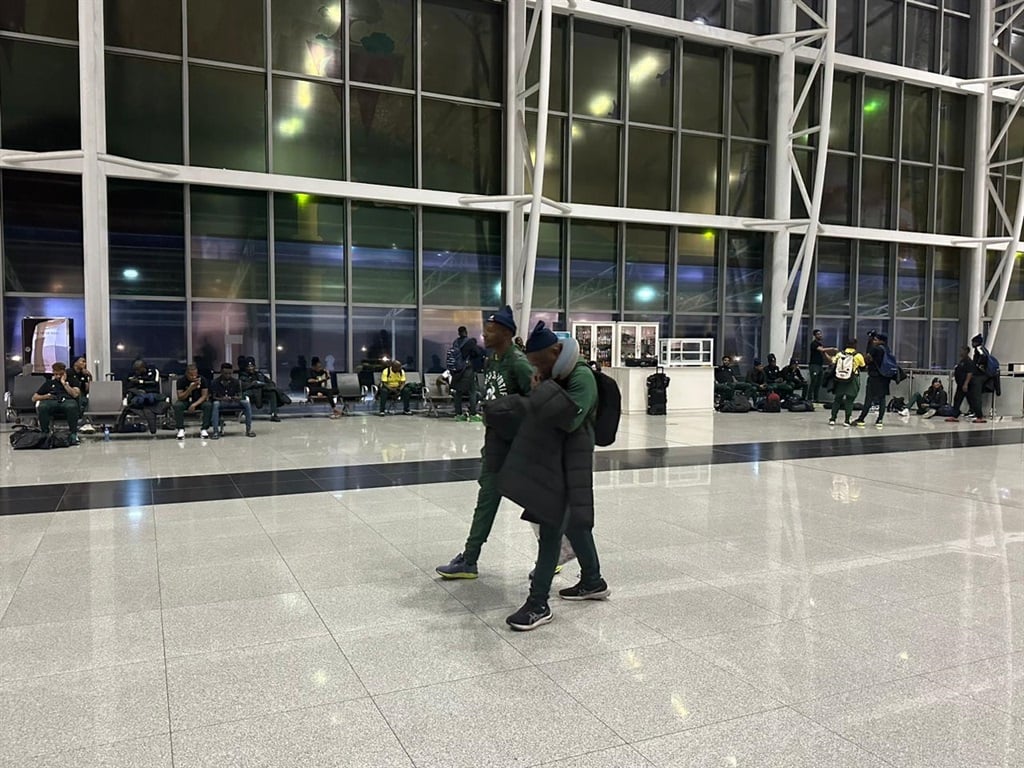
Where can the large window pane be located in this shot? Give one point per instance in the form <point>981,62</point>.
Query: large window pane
<point>224,331</point>
<point>553,156</point>
<point>702,89</point>
<point>946,297</point>
<point>952,129</point>
<point>650,169</point>
<point>229,244</point>
<point>461,258</point>
<point>876,194</point>
<point>153,331</point>
<point>227,30</point>
<point>744,273</point>
<point>39,96</point>
<point>382,136</point>
<point>878,118</point>
<point>751,16</point>
<point>873,280</point>
<point>440,327</point>
<point>660,7</point>
<point>144,109</point>
<point>698,327</point>
<point>921,43</point>
<point>547,281</point>
<point>309,248</point>
<point>595,163</point>
<point>840,134</point>
<point>48,18</point>
<point>651,81</point>
<point>710,12</point>
<point>381,45</point>
<point>463,48</point>
<point>461,148</point>
<point>698,177</point>
<point>747,179</point>
<point>42,226</point>
<point>697,271</point>
<point>741,338</point>
<point>956,43</point>
<point>18,307</point>
<point>910,342</point>
<point>308,129</point>
<point>647,256</point>
<point>147,238</point>
<point>227,119</point>
<point>305,331</point>
<point>379,335</point>
<point>915,186</point>
<point>558,76</point>
<point>597,71</point>
<point>306,37</point>
<point>750,95</point>
<point>593,259</point>
<point>917,124</point>
<point>833,277</point>
<point>946,343</point>
<point>837,197</point>
<point>882,41</point>
<point>383,254</point>
<point>951,203</point>
<point>911,290</point>
<point>154,25</point>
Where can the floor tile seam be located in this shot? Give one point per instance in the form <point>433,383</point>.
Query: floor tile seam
<point>561,760</point>
<point>21,579</point>
<point>841,736</point>
<point>88,745</point>
<point>178,732</point>
<point>172,606</point>
<point>11,682</point>
<point>163,647</point>
<point>173,658</point>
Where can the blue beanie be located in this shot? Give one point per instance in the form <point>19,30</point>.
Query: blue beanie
<point>504,317</point>
<point>978,340</point>
<point>541,338</point>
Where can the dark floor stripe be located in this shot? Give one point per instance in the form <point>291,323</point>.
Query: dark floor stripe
<point>32,499</point>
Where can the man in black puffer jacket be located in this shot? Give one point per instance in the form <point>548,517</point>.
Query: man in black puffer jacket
<point>550,471</point>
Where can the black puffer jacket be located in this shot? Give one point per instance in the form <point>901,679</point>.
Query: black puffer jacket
<point>502,417</point>
<point>547,469</point>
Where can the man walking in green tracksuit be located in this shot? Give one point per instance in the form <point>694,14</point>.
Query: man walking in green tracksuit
<point>507,373</point>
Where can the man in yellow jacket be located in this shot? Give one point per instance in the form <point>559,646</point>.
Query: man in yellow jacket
<point>392,387</point>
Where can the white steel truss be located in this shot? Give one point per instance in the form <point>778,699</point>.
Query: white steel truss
<point>996,23</point>
<point>523,242</point>
<point>786,326</point>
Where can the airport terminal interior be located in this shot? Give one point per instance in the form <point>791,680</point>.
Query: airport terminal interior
<point>330,189</point>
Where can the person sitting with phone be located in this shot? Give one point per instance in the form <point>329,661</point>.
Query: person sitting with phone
<point>80,376</point>
<point>192,394</point>
<point>393,387</point>
<point>58,396</point>
<point>226,393</point>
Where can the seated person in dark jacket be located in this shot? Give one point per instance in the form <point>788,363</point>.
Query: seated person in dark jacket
<point>80,377</point>
<point>192,394</point>
<point>726,382</point>
<point>58,396</point>
<point>776,381</point>
<point>226,394</point>
<point>560,361</point>
<point>260,389</point>
<point>794,378</point>
<point>142,392</point>
<point>757,378</point>
<point>318,384</point>
<point>141,381</point>
<point>929,401</point>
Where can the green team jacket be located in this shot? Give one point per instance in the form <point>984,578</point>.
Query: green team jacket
<point>510,374</point>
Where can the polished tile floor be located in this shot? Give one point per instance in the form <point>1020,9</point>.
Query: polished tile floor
<point>853,600</point>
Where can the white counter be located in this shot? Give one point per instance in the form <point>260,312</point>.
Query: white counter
<point>689,389</point>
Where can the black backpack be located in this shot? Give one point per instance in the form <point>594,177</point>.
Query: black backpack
<point>609,408</point>
<point>455,361</point>
<point>739,404</point>
<point>799,405</point>
<point>36,439</point>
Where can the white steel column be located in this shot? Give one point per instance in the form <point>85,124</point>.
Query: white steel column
<point>94,185</point>
<point>823,66</point>
<point>782,183</point>
<point>992,32</point>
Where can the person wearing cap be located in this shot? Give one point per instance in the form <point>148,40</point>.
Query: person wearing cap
<point>928,402</point>
<point>878,385</point>
<point>757,377</point>
<point>794,378</point>
<point>776,378</point>
<point>550,472</point>
<point>820,355</point>
<point>507,372</point>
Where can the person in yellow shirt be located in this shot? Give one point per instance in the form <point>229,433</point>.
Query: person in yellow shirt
<point>392,387</point>
<point>848,364</point>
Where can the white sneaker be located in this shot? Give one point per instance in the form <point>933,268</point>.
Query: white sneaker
<point>204,434</point>
<point>181,434</point>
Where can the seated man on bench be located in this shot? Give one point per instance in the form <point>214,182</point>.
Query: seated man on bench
<point>393,387</point>
<point>192,394</point>
<point>260,389</point>
<point>57,396</point>
<point>318,383</point>
<point>142,397</point>
<point>226,393</point>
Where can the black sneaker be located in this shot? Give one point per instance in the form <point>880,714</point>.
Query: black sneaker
<point>530,616</point>
<point>580,592</point>
<point>458,568</point>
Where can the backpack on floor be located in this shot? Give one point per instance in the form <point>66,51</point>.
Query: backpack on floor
<point>609,408</point>
<point>946,411</point>
<point>896,405</point>
<point>799,405</point>
<point>35,439</point>
<point>773,403</point>
<point>739,404</point>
